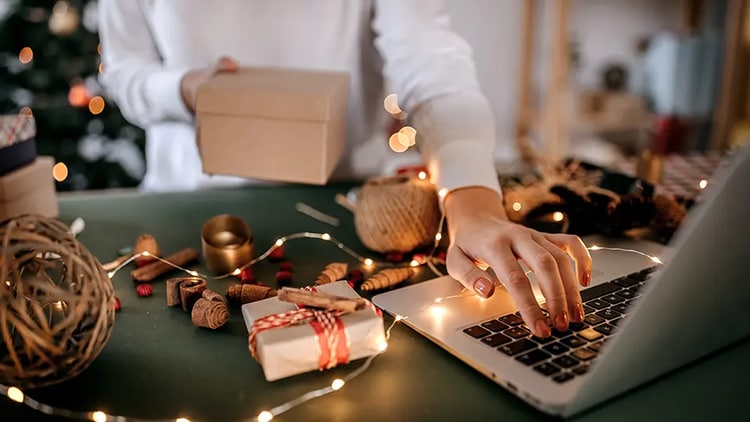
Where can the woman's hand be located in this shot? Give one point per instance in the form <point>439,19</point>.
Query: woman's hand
<point>481,236</point>
<point>195,78</point>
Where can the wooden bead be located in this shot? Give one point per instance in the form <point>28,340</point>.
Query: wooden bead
<point>332,272</point>
<point>144,290</point>
<point>387,278</point>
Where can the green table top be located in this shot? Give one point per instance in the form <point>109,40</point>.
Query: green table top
<point>158,365</point>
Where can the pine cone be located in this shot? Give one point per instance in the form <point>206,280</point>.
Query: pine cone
<point>387,278</point>
<point>246,293</point>
<point>332,272</point>
<point>146,243</point>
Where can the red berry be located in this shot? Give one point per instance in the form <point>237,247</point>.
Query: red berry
<point>285,266</point>
<point>118,305</point>
<point>247,276</point>
<point>284,278</point>
<point>144,290</point>
<point>394,257</point>
<point>277,254</point>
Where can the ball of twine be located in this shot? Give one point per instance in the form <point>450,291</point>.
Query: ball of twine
<point>57,304</point>
<point>397,214</point>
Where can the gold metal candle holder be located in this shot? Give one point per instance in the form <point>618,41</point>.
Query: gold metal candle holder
<point>227,243</point>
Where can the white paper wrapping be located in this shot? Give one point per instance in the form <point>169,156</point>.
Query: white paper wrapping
<point>287,351</point>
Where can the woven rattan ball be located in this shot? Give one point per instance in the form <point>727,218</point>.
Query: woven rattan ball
<point>397,214</point>
<point>56,303</point>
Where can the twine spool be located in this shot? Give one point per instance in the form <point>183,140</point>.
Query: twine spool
<point>57,305</point>
<point>397,214</point>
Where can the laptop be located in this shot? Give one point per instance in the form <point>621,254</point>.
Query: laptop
<point>642,319</point>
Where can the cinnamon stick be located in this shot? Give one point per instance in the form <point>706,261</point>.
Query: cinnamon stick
<point>320,300</point>
<point>151,271</point>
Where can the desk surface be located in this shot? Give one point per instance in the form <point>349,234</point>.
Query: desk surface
<point>158,365</point>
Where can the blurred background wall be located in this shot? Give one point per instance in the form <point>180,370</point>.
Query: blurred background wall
<point>49,62</point>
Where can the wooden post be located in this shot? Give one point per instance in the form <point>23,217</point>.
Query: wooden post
<point>525,113</point>
<point>734,80</point>
<point>556,118</point>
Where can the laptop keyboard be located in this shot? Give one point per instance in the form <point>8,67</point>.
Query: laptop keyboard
<point>565,355</point>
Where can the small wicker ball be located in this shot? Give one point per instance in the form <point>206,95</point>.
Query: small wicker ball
<point>397,214</point>
<point>57,305</point>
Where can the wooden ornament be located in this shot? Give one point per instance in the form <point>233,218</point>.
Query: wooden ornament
<point>57,305</point>
<point>397,214</point>
<point>387,278</point>
<point>247,293</point>
<point>146,243</point>
<point>185,291</point>
<point>332,272</point>
<point>210,311</point>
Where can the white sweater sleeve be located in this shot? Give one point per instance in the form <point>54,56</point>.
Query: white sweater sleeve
<point>135,77</point>
<point>432,70</point>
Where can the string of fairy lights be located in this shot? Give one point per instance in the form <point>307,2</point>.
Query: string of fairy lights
<point>15,394</point>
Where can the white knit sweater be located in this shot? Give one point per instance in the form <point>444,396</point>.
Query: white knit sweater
<point>148,45</point>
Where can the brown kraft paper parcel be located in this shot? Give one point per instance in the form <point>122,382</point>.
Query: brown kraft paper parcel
<point>282,125</point>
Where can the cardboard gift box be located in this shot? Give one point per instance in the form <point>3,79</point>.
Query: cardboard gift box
<point>29,190</point>
<point>273,124</point>
<point>296,348</point>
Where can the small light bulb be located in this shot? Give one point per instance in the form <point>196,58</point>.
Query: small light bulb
<point>438,236</point>
<point>337,384</point>
<point>265,416</point>
<point>414,263</point>
<point>438,311</point>
<point>279,242</point>
<point>422,175</point>
<point>110,274</point>
<point>656,260</point>
<point>368,262</point>
<point>517,206</point>
<point>325,236</point>
<point>145,253</point>
<point>193,273</point>
<point>442,192</point>
<point>438,300</point>
<point>398,318</point>
<point>182,420</point>
<point>702,184</point>
<point>15,394</point>
<point>382,346</point>
<point>237,271</point>
<point>99,416</point>
<point>594,248</point>
<point>558,216</point>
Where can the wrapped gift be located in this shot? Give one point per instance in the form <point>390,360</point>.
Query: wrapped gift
<point>17,146</point>
<point>29,189</point>
<point>286,125</point>
<point>289,339</point>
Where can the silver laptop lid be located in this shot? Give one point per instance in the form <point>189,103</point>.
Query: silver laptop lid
<point>699,301</point>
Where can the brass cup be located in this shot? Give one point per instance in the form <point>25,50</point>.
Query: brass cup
<point>227,243</point>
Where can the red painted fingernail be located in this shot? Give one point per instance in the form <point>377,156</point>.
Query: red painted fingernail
<point>586,278</point>
<point>542,330</point>
<point>561,321</point>
<point>484,287</point>
<point>578,313</point>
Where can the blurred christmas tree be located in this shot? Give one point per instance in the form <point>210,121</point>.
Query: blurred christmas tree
<point>49,61</point>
